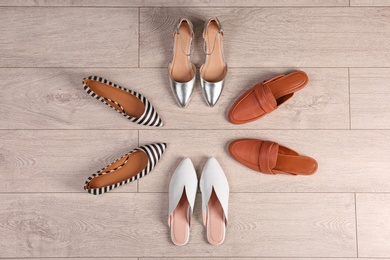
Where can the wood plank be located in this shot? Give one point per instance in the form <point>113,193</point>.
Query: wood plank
<point>84,258</point>
<point>59,161</point>
<point>278,3</point>
<point>370,94</point>
<point>370,3</point>
<point>112,3</point>
<point>166,3</point>
<point>373,214</point>
<point>68,37</point>
<point>276,37</point>
<point>230,258</point>
<point>346,164</point>
<point>265,258</point>
<point>54,99</point>
<point>134,224</point>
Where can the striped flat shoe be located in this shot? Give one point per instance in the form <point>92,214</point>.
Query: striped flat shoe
<point>130,104</point>
<point>130,167</point>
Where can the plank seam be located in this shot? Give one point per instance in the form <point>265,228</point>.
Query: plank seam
<point>138,179</point>
<point>139,35</point>
<point>356,226</point>
<point>349,95</point>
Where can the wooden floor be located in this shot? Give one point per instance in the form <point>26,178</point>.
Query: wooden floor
<point>53,135</point>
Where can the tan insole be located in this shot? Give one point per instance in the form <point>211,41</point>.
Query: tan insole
<point>137,161</point>
<point>180,226</point>
<point>132,105</point>
<point>287,84</point>
<point>295,164</point>
<point>215,221</point>
<point>181,68</point>
<point>214,68</point>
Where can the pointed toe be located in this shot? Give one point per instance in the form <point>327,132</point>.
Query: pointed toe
<point>122,99</point>
<point>211,91</point>
<point>160,123</point>
<point>130,167</point>
<point>183,102</point>
<point>212,163</point>
<point>164,145</point>
<point>182,91</point>
<point>182,94</point>
<point>186,164</point>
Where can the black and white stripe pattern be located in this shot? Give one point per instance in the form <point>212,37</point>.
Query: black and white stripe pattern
<point>153,152</point>
<point>149,117</point>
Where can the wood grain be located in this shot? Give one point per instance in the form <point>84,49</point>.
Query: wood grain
<point>370,3</point>
<point>266,258</point>
<point>111,3</point>
<point>229,258</point>
<point>345,162</point>
<point>83,258</point>
<point>53,135</point>
<point>149,3</point>
<point>276,37</point>
<point>134,225</point>
<point>373,214</point>
<point>278,3</point>
<point>370,94</point>
<point>68,37</point>
<point>59,161</point>
<point>55,99</point>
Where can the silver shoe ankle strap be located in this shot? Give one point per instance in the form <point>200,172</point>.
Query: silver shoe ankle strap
<point>220,32</point>
<point>181,39</point>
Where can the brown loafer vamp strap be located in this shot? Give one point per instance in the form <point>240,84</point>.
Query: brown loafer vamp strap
<point>265,98</point>
<point>268,156</point>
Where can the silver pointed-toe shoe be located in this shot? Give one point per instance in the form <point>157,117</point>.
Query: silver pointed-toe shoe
<point>182,73</point>
<point>211,91</point>
<point>213,72</point>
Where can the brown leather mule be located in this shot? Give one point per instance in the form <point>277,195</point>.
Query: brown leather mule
<point>271,158</point>
<point>266,96</point>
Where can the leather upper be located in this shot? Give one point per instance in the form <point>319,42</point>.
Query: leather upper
<point>271,158</point>
<point>184,179</point>
<point>213,178</point>
<point>266,96</point>
<point>267,156</point>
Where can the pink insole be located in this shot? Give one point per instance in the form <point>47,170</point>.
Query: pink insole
<point>215,221</point>
<point>180,228</point>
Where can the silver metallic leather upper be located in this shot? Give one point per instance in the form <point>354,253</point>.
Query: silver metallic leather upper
<point>182,91</point>
<point>212,90</point>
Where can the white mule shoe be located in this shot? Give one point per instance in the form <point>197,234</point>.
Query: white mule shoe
<point>182,193</point>
<point>215,199</point>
